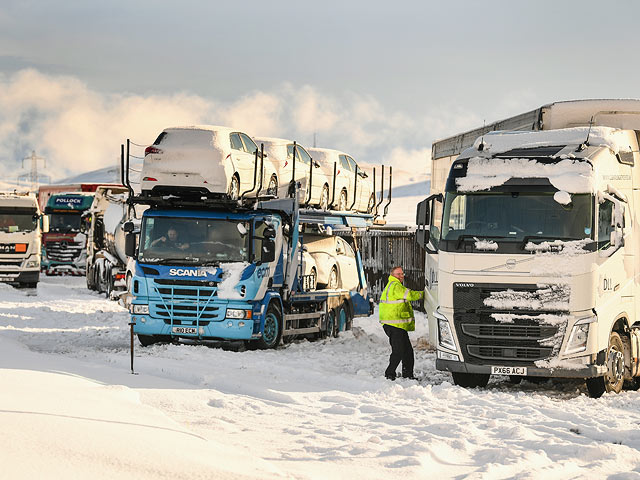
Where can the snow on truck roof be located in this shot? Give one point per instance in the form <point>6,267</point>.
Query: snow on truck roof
<point>504,141</point>
<point>569,173</point>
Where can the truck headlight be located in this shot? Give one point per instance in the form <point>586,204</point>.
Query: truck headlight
<point>140,309</point>
<point>34,263</point>
<point>445,335</point>
<point>237,313</point>
<point>579,335</point>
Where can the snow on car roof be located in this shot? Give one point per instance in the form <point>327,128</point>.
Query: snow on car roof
<point>326,152</point>
<point>211,128</point>
<point>273,140</point>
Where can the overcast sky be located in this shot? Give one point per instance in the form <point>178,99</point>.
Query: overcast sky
<point>380,80</point>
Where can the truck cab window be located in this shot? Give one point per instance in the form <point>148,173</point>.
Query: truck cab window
<point>605,216</point>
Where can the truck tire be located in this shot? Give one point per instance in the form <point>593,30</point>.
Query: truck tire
<point>613,380</point>
<point>110,287</point>
<point>470,380</point>
<point>341,320</point>
<point>330,323</point>
<point>147,340</point>
<point>89,277</point>
<point>272,331</point>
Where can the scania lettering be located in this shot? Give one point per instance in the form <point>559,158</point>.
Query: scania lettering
<point>533,234</point>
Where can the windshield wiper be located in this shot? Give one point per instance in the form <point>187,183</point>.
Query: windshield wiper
<point>526,239</point>
<point>461,238</point>
<point>174,261</point>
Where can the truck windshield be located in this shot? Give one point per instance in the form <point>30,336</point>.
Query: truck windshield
<point>65,222</point>
<point>17,220</point>
<point>193,241</point>
<point>514,218</point>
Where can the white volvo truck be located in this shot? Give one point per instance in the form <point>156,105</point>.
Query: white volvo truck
<point>20,232</point>
<point>532,247</point>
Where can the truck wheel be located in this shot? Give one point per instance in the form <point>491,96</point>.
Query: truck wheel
<point>146,340</point>
<point>470,380</point>
<point>613,380</point>
<point>330,323</point>
<point>89,277</point>
<point>109,288</point>
<point>272,332</point>
<point>341,321</point>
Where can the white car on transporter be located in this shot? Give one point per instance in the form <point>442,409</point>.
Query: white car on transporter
<point>335,261</point>
<point>279,153</point>
<point>204,159</point>
<point>353,189</point>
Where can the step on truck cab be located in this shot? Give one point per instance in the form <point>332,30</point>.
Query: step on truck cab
<point>532,248</point>
<point>21,226</point>
<point>212,268</point>
<point>64,246</point>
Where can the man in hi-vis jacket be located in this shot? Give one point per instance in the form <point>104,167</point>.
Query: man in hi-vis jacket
<point>396,317</point>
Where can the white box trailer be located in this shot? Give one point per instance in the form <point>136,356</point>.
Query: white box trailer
<point>532,247</point>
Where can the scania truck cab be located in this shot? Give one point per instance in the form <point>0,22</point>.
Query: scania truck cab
<point>210,271</point>
<point>532,261</point>
<point>21,226</point>
<point>64,246</point>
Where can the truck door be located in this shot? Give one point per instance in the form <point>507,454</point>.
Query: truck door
<point>429,219</point>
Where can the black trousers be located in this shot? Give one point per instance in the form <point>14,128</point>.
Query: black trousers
<point>401,351</point>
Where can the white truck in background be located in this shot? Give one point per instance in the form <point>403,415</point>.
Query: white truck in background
<point>106,259</point>
<point>21,226</point>
<point>532,240</point>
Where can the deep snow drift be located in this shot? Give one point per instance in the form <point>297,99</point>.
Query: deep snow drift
<point>70,408</point>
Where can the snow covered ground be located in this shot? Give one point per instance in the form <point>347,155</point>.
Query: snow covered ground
<point>70,408</point>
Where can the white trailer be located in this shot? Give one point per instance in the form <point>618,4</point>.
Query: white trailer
<point>532,240</point>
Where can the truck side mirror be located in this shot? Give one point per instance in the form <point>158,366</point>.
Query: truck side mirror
<point>44,223</point>
<point>269,232</point>
<point>268,253</point>
<point>130,244</point>
<point>128,227</point>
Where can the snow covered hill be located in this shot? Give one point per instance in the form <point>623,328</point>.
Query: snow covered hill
<point>70,408</point>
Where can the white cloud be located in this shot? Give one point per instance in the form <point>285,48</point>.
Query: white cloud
<point>78,129</point>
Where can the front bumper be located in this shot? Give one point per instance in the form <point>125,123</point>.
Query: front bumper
<point>587,371</point>
<point>23,276</point>
<point>227,329</point>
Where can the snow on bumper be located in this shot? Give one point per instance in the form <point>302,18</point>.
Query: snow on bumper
<point>580,371</point>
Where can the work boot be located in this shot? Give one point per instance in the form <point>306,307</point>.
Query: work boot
<point>391,376</point>
<point>409,376</point>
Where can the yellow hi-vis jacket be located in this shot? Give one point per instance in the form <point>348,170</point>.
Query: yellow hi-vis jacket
<point>395,309</point>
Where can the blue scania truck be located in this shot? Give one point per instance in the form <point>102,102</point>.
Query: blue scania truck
<point>214,270</point>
